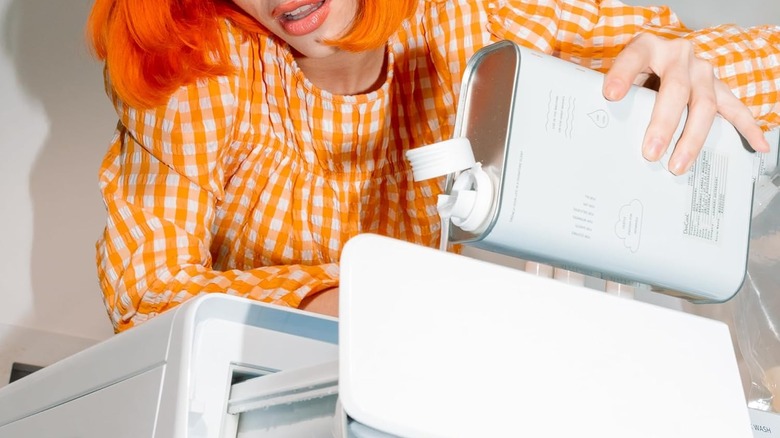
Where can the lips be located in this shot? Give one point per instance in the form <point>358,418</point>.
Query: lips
<point>301,17</point>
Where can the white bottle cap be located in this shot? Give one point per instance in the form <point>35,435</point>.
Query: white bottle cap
<point>469,202</point>
<point>441,158</point>
<point>474,190</point>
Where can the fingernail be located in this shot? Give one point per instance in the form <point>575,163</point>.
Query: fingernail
<point>652,149</point>
<point>611,91</point>
<point>763,145</point>
<point>679,164</point>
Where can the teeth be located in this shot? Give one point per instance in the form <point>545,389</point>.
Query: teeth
<point>298,11</point>
<point>302,11</point>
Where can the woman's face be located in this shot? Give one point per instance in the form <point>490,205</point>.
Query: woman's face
<point>304,24</point>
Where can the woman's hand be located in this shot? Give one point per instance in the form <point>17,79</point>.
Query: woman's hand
<point>325,302</point>
<point>685,80</point>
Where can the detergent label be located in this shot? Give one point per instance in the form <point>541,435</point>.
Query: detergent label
<point>764,424</point>
<point>628,227</point>
<point>706,197</point>
<point>561,111</point>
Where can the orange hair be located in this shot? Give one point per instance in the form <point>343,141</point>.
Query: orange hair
<point>152,47</point>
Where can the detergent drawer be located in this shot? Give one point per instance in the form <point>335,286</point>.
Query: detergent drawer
<point>310,418</point>
<point>295,403</point>
<point>290,403</point>
<point>140,395</point>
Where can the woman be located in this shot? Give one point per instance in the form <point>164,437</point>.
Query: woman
<point>257,136</point>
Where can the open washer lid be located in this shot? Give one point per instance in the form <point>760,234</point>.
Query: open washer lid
<point>434,344</point>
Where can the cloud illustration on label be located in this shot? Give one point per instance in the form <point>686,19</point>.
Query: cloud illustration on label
<point>629,225</point>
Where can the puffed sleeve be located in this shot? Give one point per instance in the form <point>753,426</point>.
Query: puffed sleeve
<point>161,180</point>
<point>593,32</point>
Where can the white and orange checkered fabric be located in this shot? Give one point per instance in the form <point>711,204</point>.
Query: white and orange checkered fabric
<point>251,184</point>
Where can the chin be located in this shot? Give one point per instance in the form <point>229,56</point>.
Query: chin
<point>316,50</point>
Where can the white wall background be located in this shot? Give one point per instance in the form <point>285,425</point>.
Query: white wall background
<point>55,123</point>
<point>699,13</point>
<point>54,126</point>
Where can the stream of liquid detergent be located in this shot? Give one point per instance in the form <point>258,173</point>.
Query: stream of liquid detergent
<point>445,233</point>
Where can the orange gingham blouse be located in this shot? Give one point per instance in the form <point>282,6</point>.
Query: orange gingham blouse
<point>251,184</point>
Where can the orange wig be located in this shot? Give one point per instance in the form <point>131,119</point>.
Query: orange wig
<point>152,47</point>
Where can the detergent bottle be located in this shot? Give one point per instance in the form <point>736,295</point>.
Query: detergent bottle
<point>542,167</point>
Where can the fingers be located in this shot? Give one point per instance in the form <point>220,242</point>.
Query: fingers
<point>686,82</point>
<point>671,101</point>
<point>702,108</point>
<point>648,54</point>
<point>629,65</point>
<point>733,110</point>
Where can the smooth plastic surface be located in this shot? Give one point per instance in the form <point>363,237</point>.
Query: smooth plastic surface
<point>444,345</point>
<point>171,377</point>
